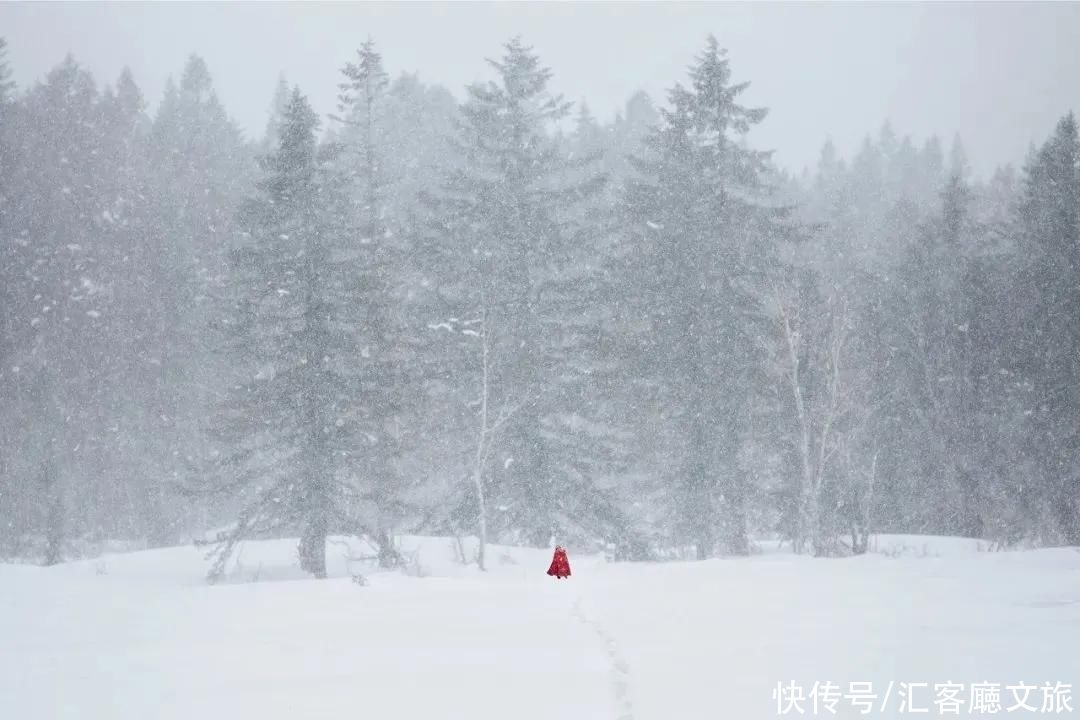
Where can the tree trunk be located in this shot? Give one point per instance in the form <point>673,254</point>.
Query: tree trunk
<point>1065,507</point>
<point>316,518</point>
<point>812,516</point>
<point>482,451</point>
<point>317,477</point>
<point>312,549</point>
<point>862,499</point>
<point>481,520</point>
<point>736,533</point>
<point>697,500</point>
<point>54,521</point>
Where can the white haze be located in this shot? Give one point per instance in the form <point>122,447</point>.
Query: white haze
<point>999,74</point>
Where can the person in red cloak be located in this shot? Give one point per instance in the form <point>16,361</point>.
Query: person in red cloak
<point>560,564</point>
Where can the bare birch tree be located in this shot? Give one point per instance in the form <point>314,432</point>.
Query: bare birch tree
<point>815,338</point>
<point>490,417</point>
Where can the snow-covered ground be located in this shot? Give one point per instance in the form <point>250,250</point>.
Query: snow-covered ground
<point>140,636</point>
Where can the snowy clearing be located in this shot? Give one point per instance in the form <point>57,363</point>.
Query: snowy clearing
<point>140,635</point>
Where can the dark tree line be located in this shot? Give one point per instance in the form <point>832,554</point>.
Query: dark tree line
<point>505,319</point>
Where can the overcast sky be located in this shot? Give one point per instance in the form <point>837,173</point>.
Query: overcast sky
<point>1000,74</point>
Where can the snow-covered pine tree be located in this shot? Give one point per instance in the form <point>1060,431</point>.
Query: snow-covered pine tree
<point>278,105</point>
<point>76,224</point>
<point>595,448</point>
<point>700,233</point>
<point>390,358</point>
<point>360,110</point>
<point>1049,243</point>
<point>8,130</point>
<point>411,123</point>
<point>202,169</point>
<point>61,293</point>
<point>291,426</point>
<point>629,131</point>
<point>930,378</point>
<point>138,460</point>
<point>7,85</point>
<point>11,512</point>
<point>506,251</point>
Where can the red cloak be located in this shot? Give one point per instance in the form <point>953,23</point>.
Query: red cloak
<point>560,564</point>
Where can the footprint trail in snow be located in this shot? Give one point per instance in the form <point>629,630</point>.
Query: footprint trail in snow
<point>620,669</point>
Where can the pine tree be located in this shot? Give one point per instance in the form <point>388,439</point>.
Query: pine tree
<point>9,140</point>
<point>1049,223</point>
<point>629,131</point>
<point>698,240</point>
<point>417,120</point>
<point>391,364</point>
<point>931,369</point>
<point>143,405</point>
<point>514,276</point>
<point>7,85</point>
<point>278,105</point>
<point>291,425</point>
<point>75,227</point>
<point>202,169</point>
<point>67,290</point>
<point>360,106</point>
<point>9,515</point>
<point>589,138</point>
